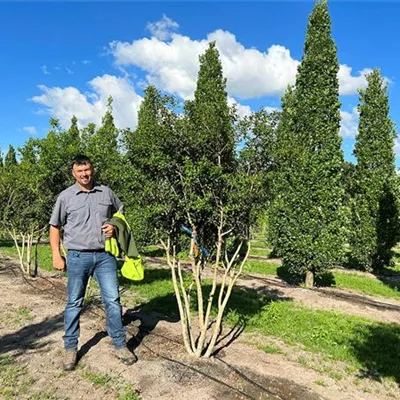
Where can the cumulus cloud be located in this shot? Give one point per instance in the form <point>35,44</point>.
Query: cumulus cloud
<point>173,65</point>
<point>348,83</point>
<point>63,103</point>
<point>31,130</point>
<point>163,28</point>
<point>349,123</point>
<point>242,110</point>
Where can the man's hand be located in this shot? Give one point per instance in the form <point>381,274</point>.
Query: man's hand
<point>59,263</point>
<point>108,230</point>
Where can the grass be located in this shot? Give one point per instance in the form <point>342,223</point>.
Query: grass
<point>22,315</point>
<point>110,383</point>
<point>271,349</point>
<point>259,244</point>
<point>14,382</point>
<point>255,251</point>
<point>366,285</point>
<point>261,267</point>
<point>102,380</point>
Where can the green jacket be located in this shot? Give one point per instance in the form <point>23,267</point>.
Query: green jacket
<point>123,236</point>
<point>123,240</point>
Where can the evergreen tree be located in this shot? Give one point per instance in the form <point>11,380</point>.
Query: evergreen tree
<point>1,159</point>
<point>209,149</point>
<point>210,129</point>
<point>152,153</point>
<point>309,191</point>
<point>11,157</point>
<point>284,159</point>
<point>375,214</point>
<point>73,137</point>
<point>104,152</point>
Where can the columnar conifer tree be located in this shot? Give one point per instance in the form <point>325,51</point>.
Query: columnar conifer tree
<point>310,164</point>
<point>103,150</point>
<point>11,157</point>
<point>375,215</point>
<point>285,167</point>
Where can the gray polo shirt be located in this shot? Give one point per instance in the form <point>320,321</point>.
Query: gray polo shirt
<point>82,214</point>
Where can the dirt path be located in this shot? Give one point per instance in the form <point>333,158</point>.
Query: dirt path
<point>31,329</point>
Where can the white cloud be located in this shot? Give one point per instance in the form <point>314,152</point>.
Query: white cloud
<point>349,123</point>
<point>242,110</point>
<point>45,69</point>
<point>350,84</point>
<point>62,103</point>
<point>31,130</point>
<point>163,28</point>
<point>397,146</point>
<point>173,66</point>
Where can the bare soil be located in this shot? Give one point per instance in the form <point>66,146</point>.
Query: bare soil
<point>31,329</point>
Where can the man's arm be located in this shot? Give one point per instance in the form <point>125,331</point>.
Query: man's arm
<point>58,260</point>
<point>58,217</point>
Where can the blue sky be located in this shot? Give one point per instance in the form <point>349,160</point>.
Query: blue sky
<point>61,59</point>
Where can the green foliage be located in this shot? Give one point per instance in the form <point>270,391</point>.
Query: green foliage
<point>256,163</point>
<point>375,226</point>
<point>103,149</point>
<point>10,159</point>
<point>22,197</point>
<point>185,170</point>
<point>307,217</point>
<point>152,152</point>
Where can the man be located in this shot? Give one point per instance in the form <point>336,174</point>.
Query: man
<point>83,210</point>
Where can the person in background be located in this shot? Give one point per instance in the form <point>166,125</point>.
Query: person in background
<point>82,210</point>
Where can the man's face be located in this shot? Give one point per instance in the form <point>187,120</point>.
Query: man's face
<point>83,174</point>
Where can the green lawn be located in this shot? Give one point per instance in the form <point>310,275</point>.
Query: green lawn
<point>342,280</point>
<point>259,251</point>
<point>261,267</point>
<point>366,285</point>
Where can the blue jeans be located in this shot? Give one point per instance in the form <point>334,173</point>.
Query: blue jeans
<point>103,266</point>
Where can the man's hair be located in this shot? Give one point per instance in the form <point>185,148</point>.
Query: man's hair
<point>80,159</point>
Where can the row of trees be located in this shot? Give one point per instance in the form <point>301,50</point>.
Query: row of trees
<point>322,204</point>
<point>185,169</point>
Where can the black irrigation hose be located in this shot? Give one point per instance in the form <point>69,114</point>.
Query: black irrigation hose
<point>244,377</point>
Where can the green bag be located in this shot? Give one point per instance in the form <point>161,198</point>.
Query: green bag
<point>133,269</point>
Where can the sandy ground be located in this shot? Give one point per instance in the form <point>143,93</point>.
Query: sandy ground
<point>31,329</point>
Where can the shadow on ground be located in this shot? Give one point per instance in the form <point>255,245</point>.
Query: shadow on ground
<point>378,351</point>
<point>29,337</point>
<point>243,304</point>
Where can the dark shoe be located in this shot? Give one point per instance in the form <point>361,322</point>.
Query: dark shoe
<point>125,356</point>
<point>70,358</point>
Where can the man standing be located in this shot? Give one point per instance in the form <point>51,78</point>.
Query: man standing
<point>83,210</point>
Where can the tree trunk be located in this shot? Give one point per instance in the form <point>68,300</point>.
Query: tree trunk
<point>309,279</point>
